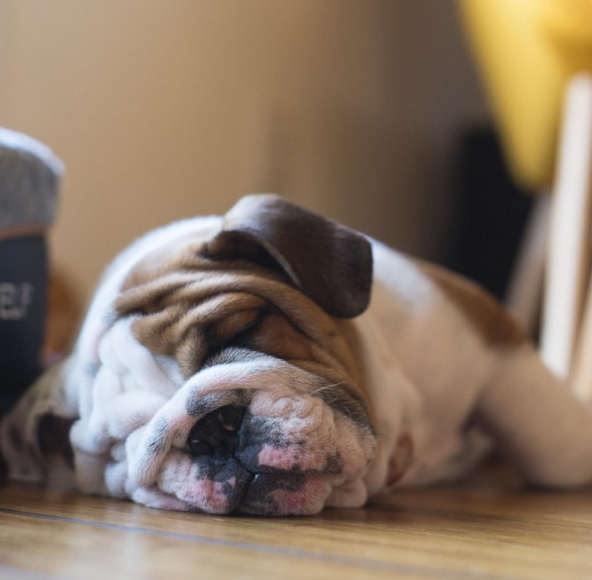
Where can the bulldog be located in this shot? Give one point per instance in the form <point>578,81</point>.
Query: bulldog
<point>275,362</point>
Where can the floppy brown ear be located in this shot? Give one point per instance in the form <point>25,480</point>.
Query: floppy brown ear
<point>329,262</point>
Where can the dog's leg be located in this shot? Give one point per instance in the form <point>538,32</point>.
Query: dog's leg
<point>544,429</point>
<point>38,426</point>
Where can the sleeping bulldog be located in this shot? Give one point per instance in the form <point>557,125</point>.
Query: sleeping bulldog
<point>274,362</point>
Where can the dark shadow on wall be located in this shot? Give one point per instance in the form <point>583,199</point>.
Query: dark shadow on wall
<point>490,213</point>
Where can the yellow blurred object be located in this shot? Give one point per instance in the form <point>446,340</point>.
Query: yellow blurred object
<point>527,50</point>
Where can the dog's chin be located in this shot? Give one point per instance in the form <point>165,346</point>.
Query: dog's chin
<point>262,452</point>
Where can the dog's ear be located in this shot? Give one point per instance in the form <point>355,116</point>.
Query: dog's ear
<point>329,262</point>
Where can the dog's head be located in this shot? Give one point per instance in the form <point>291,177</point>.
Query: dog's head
<point>271,416</point>
<point>227,381</point>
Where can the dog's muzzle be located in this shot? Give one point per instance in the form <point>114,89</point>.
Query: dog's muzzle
<point>228,446</point>
<point>254,434</point>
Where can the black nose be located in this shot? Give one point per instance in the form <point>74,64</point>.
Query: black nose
<point>217,431</point>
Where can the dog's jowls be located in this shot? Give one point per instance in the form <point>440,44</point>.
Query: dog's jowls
<point>272,361</point>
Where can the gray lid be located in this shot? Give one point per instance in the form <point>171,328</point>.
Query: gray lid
<point>29,181</point>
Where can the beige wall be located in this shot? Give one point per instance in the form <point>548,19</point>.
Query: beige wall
<point>166,108</point>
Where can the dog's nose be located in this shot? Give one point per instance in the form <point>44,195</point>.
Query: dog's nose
<point>217,431</point>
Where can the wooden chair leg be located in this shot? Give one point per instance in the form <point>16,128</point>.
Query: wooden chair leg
<point>524,296</point>
<point>581,373</point>
<point>569,248</point>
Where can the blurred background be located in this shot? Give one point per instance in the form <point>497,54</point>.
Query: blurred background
<point>367,111</point>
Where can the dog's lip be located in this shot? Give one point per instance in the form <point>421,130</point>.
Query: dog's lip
<point>253,492</point>
<point>261,487</point>
<point>245,487</point>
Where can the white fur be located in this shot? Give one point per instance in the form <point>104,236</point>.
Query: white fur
<point>530,413</point>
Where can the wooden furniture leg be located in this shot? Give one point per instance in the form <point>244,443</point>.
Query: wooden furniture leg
<point>569,248</point>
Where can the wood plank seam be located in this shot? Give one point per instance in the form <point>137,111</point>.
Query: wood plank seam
<point>361,563</point>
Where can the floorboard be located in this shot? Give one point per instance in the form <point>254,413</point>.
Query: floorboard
<point>488,528</point>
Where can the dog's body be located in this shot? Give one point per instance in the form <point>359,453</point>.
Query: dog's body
<point>239,364</point>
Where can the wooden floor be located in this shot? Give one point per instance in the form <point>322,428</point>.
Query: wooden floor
<point>488,528</point>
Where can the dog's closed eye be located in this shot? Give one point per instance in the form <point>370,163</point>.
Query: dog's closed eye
<point>232,331</point>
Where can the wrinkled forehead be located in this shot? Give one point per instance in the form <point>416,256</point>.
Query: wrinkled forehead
<point>161,254</point>
<point>189,252</point>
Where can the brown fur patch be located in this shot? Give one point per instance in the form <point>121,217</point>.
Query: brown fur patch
<point>493,323</point>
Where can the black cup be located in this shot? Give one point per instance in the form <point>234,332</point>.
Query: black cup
<point>29,182</point>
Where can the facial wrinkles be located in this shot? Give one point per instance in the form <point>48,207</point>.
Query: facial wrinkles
<point>178,274</point>
<point>180,308</point>
<point>192,308</point>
